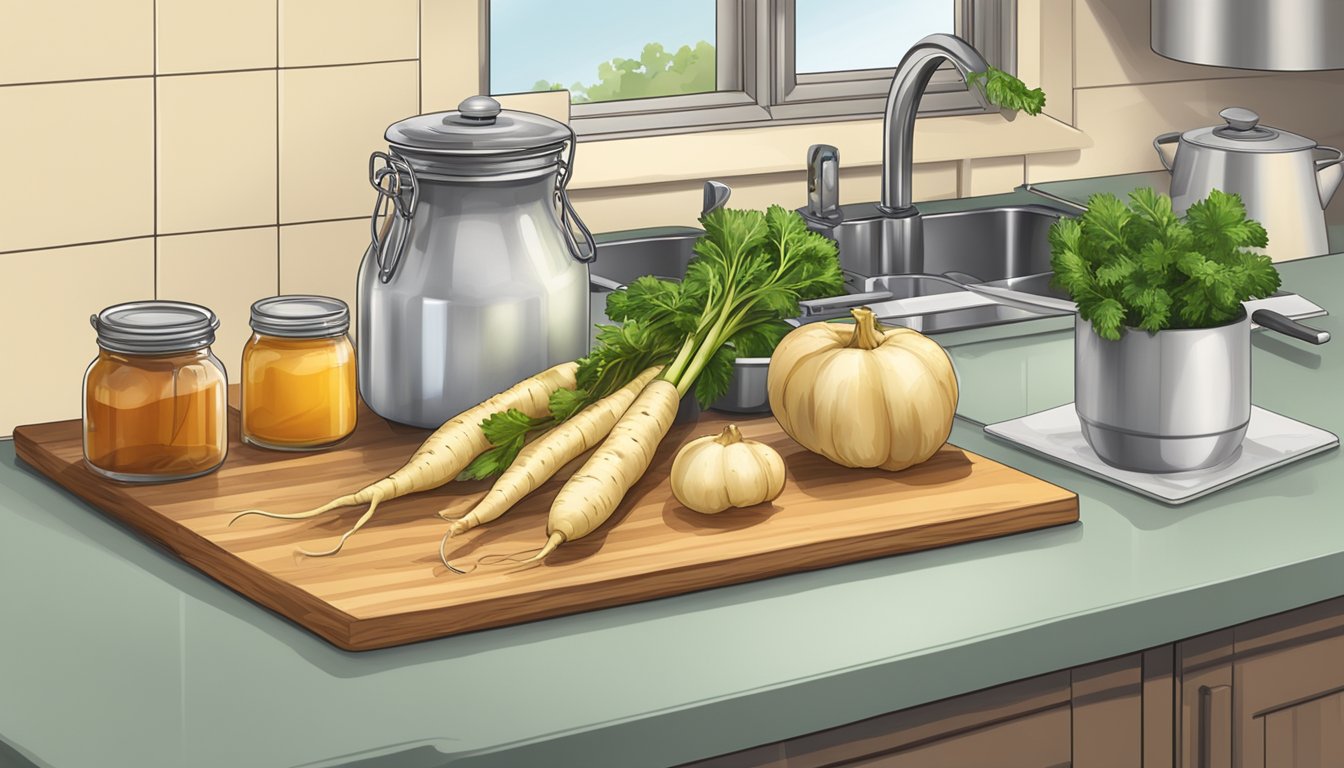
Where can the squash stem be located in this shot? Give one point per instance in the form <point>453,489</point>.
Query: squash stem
<point>867,333</point>
<point>730,434</point>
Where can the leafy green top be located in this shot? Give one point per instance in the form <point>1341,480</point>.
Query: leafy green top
<point>749,272</point>
<point>1141,266</point>
<point>1005,90</point>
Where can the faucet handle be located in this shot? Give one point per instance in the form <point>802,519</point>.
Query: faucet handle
<point>823,181</point>
<point>716,196</point>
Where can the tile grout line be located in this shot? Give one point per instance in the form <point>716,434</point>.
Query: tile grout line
<point>1211,79</point>
<point>1073,61</point>
<point>147,235</point>
<point>204,72</point>
<point>420,57</point>
<point>277,147</point>
<point>154,41</point>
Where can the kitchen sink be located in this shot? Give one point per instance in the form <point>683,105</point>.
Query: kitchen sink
<point>1004,246</point>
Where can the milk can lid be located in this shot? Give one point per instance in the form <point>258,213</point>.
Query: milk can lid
<point>479,126</point>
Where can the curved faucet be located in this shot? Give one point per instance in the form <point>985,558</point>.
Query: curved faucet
<point>898,124</point>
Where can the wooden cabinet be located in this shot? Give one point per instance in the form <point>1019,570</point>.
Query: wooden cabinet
<point>1266,694</point>
<point>1025,724</point>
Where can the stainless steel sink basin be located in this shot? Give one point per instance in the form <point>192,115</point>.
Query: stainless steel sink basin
<point>1006,246</point>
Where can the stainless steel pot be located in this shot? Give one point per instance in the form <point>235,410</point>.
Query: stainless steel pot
<point>1170,401</point>
<point>473,279</point>
<point>1285,180</point>
<point>1250,34</point>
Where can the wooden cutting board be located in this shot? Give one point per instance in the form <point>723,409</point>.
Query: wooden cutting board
<point>388,587</point>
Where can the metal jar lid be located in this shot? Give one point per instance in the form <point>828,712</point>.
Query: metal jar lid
<point>479,138</point>
<point>300,317</point>
<point>155,327</point>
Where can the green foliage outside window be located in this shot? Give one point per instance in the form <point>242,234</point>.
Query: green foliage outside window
<point>655,73</point>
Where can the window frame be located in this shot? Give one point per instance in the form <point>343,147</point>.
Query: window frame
<point>756,83</point>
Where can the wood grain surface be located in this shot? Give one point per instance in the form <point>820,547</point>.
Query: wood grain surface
<point>387,586</point>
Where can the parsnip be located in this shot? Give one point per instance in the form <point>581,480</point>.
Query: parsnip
<point>587,500</point>
<point>444,454</point>
<point>543,457</point>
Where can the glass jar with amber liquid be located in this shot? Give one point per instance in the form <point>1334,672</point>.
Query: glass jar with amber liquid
<point>155,398</point>
<point>298,374</point>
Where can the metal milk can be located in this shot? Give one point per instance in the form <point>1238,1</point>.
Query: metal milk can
<point>474,279</point>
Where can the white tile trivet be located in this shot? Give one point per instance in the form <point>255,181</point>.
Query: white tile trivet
<point>1272,440</point>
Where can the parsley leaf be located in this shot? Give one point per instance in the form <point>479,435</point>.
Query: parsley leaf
<point>507,431</point>
<point>1139,265</point>
<point>1005,90</point>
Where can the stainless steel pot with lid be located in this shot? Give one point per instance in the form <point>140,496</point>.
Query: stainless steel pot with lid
<point>474,277</point>
<point>1285,180</point>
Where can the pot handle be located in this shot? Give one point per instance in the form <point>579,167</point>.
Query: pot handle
<point>1166,138</point>
<point>392,212</point>
<point>567,211</point>
<point>1324,163</point>
<point>1274,321</point>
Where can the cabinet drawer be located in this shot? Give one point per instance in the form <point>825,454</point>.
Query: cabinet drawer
<point>1039,740</point>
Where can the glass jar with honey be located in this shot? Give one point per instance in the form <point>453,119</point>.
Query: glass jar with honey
<point>155,398</point>
<point>298,374</point>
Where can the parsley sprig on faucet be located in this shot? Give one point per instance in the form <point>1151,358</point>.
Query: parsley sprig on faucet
<point>1140,265</point>
<point>1005,90</point>
<point>750,270</point>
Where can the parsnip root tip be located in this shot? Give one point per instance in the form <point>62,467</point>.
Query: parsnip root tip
<point>443,557</point>
<point>373,505</point>
<point>343,501</point>
<point>556,539</point>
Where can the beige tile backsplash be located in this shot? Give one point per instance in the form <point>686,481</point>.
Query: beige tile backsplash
<point>46,40</point>
<point>225,271</point>
<point>46,298</point>
<point>205,36</point>
<point>1123,120</point>
<point>216,151</point>
<point>80,162</point>
<point>316,32</point>
<point>331,118</point>
<point>1115,48</point>
<point>323,258</point>
<point>247,126</point>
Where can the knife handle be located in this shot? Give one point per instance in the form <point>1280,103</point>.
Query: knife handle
<point>1268,318</point>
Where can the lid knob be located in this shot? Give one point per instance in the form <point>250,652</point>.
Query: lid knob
<point>1238,118</point>
<point>481,109</point>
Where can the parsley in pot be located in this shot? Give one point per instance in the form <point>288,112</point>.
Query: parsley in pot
<point>1162,344</point>
<point>1141,266</point>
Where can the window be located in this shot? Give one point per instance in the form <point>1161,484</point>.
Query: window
<point>677,65</point>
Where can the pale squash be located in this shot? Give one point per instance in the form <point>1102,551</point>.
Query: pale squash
<point>863,395</point>
<point>715,472</point>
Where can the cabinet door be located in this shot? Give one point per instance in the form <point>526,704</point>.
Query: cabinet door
<point>1306,735</point>
<point>1289,689</point>
<point>1108,714</point>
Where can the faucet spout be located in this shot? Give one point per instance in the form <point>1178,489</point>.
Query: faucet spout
<point>898,124</point>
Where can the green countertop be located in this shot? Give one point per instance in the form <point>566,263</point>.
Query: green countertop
<point>113,653</point>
